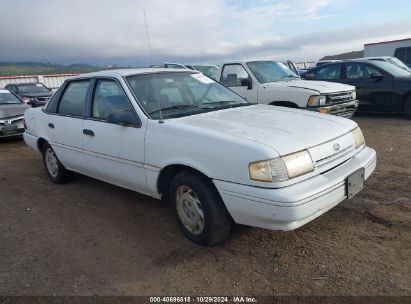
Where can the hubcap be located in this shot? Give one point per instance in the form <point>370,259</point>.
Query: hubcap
<point>51,162</point>
<point>189,210</point>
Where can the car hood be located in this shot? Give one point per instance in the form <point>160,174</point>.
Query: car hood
<point>283,129</point>
<point>34,95</point>
<point>322,87</point>
<point>11,110</point>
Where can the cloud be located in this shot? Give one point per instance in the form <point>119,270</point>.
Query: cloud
<point>114,31</point>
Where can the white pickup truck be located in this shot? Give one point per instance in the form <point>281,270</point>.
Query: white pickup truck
<point>272,82</point>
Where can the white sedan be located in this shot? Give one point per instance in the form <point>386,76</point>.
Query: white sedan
<point>178,135</point>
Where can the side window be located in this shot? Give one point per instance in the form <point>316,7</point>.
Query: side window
<point>356,71</point>
<point>50,104</point>
<point>371,70</point>
<point>108,99</point>
<point>328,72</point>
<point>400,53</point>
<point>74,98</point>
<point>408,55</point>
<point>233,74</point>
<point>12,88</point>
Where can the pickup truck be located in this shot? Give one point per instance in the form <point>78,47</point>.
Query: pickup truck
<point>274,83</point>
<point>218,159</point>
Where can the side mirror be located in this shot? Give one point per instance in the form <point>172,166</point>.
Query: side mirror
<point>309,76</point>
<point>32,103</point>
<point>247,82</point>
<point>376,76</point>
<point>124,118</point>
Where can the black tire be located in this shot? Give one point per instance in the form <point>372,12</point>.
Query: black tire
<point>217,221</point>
<point>60,175</point>
<point>407,107</point>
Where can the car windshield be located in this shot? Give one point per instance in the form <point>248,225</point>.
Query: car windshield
<point>8,98</point>
<point>397,62</point>
<point>32,88</point>
<point>392,69</point>
<point>209,70</point>
<point>269,71</point>
<point>170,95</point>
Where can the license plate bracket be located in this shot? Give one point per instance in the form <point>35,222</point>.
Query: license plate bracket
<point>355,183</point>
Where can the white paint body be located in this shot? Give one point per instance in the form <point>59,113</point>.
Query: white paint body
<point>219,144</point>
<point>295,91</point>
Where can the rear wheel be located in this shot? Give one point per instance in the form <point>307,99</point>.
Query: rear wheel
<point>407,107</point>
<point>199,209</point>
<point>55,170</point>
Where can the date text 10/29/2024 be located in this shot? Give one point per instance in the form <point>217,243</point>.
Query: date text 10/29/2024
<point>203,299</point>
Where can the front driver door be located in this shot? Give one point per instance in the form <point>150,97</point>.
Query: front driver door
<point>115,152</point>
<point>233,77</point>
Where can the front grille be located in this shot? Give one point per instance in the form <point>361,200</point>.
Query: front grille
<point>346,112</point>
<point>334,157</point>
<point>339,97</point>
<point>43,98</point>
<point>10,120</point>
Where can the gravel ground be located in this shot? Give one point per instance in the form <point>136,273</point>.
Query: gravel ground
<point>88,237</point>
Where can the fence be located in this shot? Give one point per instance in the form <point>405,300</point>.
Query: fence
<point>51,81</point>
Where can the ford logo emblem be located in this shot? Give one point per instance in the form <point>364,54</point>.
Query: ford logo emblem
<point>336,147</point>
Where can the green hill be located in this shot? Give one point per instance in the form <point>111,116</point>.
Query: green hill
<point>29,68</point>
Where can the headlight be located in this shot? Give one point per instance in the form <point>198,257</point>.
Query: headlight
<point>315,101</point>
<point>26,99</point>
<point>358,137</point>
<point>354,95</point>
<point>282,168</point>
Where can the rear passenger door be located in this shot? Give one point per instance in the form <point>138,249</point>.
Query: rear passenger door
<point>64,126</point>
<point>115,152</point>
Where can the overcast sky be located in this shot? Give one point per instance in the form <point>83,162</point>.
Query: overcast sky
<point>191,31</point>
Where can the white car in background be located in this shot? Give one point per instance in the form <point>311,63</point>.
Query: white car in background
<point>179,135</point>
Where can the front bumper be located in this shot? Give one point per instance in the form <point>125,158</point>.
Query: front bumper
<point>293,206</point>
<point>11,127</point>
<point>346,109</point>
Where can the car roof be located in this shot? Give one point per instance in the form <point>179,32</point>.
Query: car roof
<point>4,91</point>
<point>25,83</point>
<point>378,57</point>
<point>248,60</point>
<point>128,72</point>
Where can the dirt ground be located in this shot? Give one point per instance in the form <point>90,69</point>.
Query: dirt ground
<point>87,237</point>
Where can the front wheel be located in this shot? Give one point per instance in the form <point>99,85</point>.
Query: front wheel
<point>199,209</point>
<point>54,168</point>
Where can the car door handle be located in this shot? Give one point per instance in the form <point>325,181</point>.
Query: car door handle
<point>88,132</point>
<point>51,125</point>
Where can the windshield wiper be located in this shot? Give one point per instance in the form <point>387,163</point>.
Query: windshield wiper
<point>290,77</point>
<point>173,108</point>
<point>224,104</point>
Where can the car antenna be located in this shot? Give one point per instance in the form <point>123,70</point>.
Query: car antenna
<point>154,71</point>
